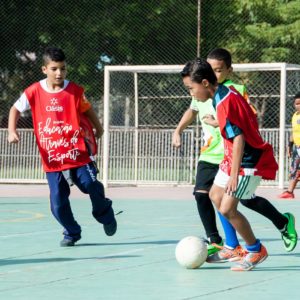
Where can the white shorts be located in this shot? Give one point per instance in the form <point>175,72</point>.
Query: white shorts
<point>246,186</point>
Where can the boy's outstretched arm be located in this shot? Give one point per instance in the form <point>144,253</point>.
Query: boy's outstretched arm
<point>93,118</point>
<point>14,115</point>
<point>187,118</point>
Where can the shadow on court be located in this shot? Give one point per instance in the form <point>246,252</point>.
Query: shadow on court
<point>6,262</point>
<point>173,242</point>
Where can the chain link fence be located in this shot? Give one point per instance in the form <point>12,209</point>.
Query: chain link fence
<point>162,98</point>
<point>97,33</point>
<point>138,95</point>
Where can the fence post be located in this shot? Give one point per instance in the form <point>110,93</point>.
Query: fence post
<point>106,127</point>
<point>282,125</point>
<point>136,125</point>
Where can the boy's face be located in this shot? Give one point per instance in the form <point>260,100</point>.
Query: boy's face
<point>56,72</point>
<point>199,91</point>
<point>297,104</point>
<point>222,72</point>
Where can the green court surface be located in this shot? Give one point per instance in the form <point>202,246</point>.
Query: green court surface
<point>139,261</point>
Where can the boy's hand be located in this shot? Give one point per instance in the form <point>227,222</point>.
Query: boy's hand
<point>13,137</point>
<point>176,139</point>
<point>231,186</point>
<point>210,120</point>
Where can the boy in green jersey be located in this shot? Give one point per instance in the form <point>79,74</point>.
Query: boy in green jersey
<point>208,165</point>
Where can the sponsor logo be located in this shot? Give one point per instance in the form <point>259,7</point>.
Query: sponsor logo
<point>54,106</point>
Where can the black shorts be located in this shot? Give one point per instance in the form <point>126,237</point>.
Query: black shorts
<point>206,173</point>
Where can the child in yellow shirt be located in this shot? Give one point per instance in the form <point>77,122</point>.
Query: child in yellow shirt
<point>294,151</point>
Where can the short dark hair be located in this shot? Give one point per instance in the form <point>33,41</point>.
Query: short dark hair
<point>297,96</point>
<point>199,69</point>
<point>221,54</point>
<point>53,54</point>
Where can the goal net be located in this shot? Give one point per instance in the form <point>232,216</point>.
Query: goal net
<point>143,105</point>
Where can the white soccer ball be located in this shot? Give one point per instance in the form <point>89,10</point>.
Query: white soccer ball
<point>191,252</point>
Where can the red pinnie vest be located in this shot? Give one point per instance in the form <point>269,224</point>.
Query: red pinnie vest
<point>56,121</point>
<point>232,107</point>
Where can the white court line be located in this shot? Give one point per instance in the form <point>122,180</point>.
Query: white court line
<point>32,216</point>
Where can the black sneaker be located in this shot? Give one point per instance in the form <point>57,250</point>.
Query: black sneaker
<point>111,228</point>
<point>68,243</point>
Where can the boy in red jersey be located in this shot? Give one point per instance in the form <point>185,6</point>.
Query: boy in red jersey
<point>247,157</point>
<point>59,108</point>
<point>211,156</point>
<point>221,63</point>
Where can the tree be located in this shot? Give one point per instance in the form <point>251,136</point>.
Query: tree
<point>92,33</point>
<point>270,31</point>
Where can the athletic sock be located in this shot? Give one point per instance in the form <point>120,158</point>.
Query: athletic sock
<point>208,217</point>
<point>230,233</point>
<point>283,229</point>
<point>265,208</point>
<point>215,238</point>
<point>255,247</point>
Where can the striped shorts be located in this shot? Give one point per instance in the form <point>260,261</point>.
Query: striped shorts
<point>295,163</point>
<point>246,186</point>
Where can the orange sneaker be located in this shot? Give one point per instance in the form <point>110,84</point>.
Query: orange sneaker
<point>227,254</point>
<point>251,260</point>
<point>287,195</point>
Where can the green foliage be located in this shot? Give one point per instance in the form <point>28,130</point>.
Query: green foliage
<point>95,33</point>
<point>127,32</point>
<point>272,26</point>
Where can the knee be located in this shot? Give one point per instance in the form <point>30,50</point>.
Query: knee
<point>58,198</point>
<point>214,197</point>
<point>55,194</point>
<point>227,212</point>
<point>201,197</point>
<point>93,186</point>
<point>57,208</point>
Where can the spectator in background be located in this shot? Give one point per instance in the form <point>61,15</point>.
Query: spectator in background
<point>294,152</point>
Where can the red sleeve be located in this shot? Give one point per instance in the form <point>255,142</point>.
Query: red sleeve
<point>236,110</point>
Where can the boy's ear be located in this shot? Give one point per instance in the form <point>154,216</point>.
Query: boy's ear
<point>44,69</point>
<point>205,82</point>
